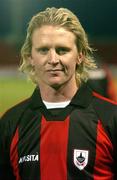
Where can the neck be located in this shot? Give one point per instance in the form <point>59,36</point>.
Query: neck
<point>61,94</point>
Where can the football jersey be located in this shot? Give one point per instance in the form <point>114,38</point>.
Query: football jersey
<point>77,142</point>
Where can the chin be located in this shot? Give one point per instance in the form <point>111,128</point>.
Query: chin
<point>55,85</point>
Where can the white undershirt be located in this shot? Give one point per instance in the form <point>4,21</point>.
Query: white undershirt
<point>51,105</point>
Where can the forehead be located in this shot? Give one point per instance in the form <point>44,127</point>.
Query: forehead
<point>52,34</point>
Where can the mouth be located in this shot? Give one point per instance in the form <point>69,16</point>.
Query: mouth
<point>55,70</point>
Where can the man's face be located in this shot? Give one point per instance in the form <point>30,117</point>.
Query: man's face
<point>54,56</point>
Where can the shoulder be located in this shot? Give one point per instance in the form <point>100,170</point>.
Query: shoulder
<point>106,111</point>
<point>105,107</point>
<point>104,99</point>
<point>10,119</point>
<point>104,104</point>
<point>15,115</point>
<point>24,108</point>
<point>16,110</point>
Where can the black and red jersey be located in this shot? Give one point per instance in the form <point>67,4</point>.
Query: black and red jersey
<point>78,142</point>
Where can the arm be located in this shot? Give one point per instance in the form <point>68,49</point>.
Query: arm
<point>5,168</point>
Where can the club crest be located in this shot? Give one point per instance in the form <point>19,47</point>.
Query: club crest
<point>80,158</point>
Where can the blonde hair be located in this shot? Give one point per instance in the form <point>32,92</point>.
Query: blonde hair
<point>64,18</point>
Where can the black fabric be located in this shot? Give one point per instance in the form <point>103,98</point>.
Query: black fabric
<point>107,113</point>
<point>84,113</point>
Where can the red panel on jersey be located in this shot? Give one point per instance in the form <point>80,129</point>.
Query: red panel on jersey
<point>14,155</point>
<point>104,159</point>
<point>53,149</point>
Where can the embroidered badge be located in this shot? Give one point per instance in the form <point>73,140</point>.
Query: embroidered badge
<point>80,158</point>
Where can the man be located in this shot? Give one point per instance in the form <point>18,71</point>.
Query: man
<point>64,131</point>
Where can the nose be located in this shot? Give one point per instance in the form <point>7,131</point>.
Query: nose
<point>53,57</point>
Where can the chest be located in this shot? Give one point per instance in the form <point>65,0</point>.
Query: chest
<point>76,146</point>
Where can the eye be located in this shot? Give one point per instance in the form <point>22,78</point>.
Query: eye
<point>62,50</point>
<point>43,50</point>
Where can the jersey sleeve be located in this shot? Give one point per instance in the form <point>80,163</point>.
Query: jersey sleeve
<point>5,167</point>
<point>8,125</point>
<point>113,134</point>
<point>107,113</point>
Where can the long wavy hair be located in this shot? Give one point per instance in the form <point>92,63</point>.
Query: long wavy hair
<point>61,17</point>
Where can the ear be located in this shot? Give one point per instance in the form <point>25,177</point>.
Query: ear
<point>80,58</point>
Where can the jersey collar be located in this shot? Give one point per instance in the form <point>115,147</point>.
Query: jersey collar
<point>82,98</point>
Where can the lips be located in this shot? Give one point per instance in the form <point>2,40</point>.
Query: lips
<point>54,70</point>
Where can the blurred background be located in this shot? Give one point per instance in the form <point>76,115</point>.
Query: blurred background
<point>99,19</point>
